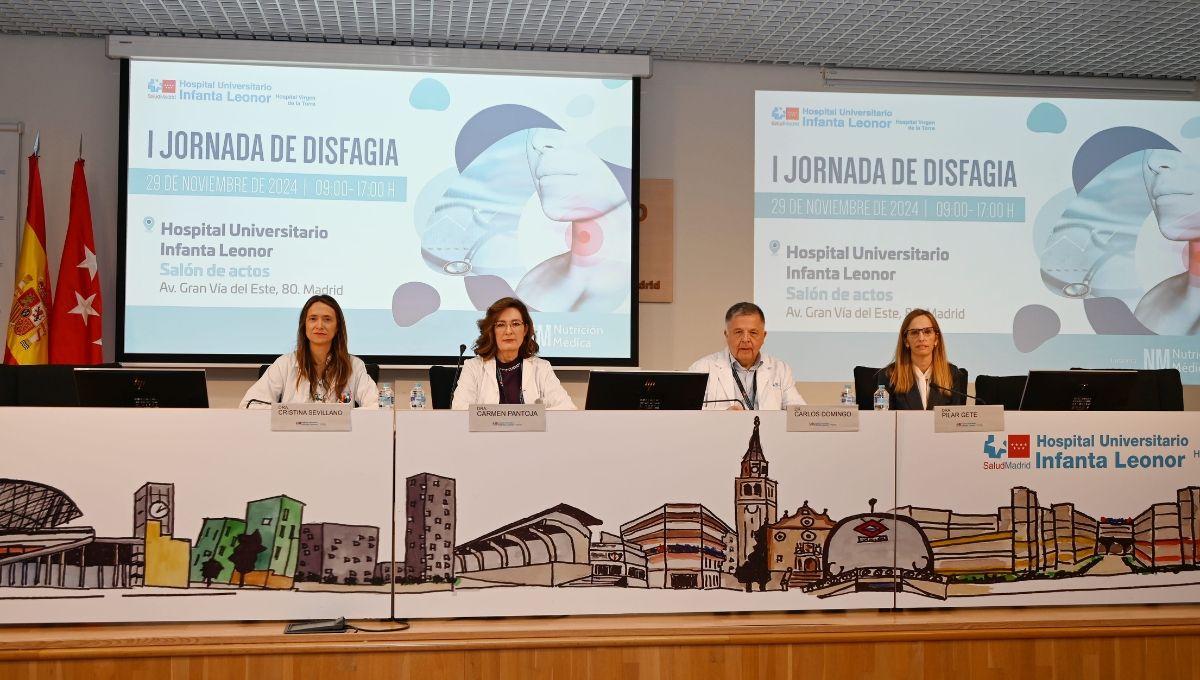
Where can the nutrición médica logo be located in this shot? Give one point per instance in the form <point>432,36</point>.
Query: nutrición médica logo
<point>1089,451</point>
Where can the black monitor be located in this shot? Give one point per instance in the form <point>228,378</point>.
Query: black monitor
<point>142,388</point>
<point>1102,390</point>
<point>645,390</point>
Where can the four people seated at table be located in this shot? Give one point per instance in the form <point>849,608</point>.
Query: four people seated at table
<point>919,375</point>
<point>742,376</point>
<point>506,368</point>
<point>321,370</point>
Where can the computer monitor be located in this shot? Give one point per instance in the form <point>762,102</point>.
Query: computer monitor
<point>1103,390</point>
<point>645,390</point>
<point>142,388</point>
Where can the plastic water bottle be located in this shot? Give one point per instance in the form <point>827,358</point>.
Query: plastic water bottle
<point>880,399</point>
<point>416,398</point>
<point>387,396</point>
<point>848,396</point>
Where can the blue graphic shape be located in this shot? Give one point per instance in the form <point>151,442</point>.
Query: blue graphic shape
<point>429,94</point>
<point>1111,316</point>
<point>581,106</point>
<point>777,113</point>
<point>1034,325</point>
<point>492,124</point>
<point>1046,117</point>
<point>1191,129</point>
<point>414,301</point>
<point>614,84</point>
<point>1103,148</point>
<point>992,451</point>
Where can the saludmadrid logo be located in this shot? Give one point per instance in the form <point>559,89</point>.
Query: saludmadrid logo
<point>162,89</point>
<point>786,116</point>
<point>1086,451</point>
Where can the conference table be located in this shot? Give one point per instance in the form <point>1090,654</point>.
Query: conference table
<point>677,542</point>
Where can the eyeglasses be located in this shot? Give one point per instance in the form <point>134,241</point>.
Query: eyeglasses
<point>501,326</point>
<point>921,332</point>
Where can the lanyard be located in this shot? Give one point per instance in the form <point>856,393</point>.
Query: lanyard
<point>748,400</point>
<point>500,379</point>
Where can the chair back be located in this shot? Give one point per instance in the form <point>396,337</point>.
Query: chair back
<point>867,379</point>
<point>441,386</point>
<point>1002,390</point>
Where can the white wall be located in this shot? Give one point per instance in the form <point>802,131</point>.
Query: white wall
<point>696,130</point>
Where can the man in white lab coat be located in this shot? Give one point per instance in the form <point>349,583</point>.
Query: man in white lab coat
<point>742,376</point>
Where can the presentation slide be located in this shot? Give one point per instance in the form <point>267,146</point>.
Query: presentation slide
<point>415,199</point>
<point>1042,233</point>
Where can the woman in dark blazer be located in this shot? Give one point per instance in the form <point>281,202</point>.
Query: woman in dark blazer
<point>920,374</point>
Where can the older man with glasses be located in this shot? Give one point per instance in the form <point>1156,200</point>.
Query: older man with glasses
<point>742,376</point>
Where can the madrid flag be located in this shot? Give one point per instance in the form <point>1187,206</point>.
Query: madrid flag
<point>28,337</point>
<point>76,317</point>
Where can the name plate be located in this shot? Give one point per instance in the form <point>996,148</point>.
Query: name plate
<point>506,418</point>
<point>968,418</point>
<point>310,417</point>
<point>822,419</point>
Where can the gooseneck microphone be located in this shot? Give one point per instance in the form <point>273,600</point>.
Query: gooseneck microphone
<point>951,390</point>
<point>723,401</point>
<point>462,349</point>
<point>257,401</point>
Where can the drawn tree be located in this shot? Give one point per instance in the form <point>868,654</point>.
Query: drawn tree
<point>210,570</point>
<point>245,554</point>
<point>754,569</point>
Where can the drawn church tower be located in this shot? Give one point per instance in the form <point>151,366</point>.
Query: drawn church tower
<point>755,500</point>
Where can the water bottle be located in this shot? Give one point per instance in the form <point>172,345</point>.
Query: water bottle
<point>848,396</point>
<point>387,397</point>
<point>880,399</point>
<point>416,398</point>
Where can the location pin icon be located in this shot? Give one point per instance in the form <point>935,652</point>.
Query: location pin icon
<point>774,246</point>
<point>148,223</point>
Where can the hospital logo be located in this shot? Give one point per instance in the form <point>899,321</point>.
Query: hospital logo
<point>785,115</point>
<point>161,89</point>
<point>1016,446</point>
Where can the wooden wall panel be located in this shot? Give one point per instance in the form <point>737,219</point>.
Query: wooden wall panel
<point>1084,643</point>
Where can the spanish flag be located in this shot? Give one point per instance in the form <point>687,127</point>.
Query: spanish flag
<point>28,339</point>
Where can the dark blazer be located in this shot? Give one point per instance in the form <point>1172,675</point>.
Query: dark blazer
<point>911,400</point>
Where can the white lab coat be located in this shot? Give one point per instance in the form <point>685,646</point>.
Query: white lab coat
<point>776,386</point>
<point>278,385</point>
<point>477,385</point>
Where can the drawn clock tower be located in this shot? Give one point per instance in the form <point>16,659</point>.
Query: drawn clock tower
<point>755,499</point>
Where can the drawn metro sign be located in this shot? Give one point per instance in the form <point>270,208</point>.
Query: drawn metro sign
<point>871,528</point>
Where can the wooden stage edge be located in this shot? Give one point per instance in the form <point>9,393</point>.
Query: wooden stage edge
<point>129,641</point>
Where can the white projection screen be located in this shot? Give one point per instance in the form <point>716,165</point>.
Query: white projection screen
<point>1042,233</point>
<point>415,198</point>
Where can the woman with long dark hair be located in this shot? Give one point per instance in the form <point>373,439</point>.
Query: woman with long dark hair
<point>505,368</point>
<point>920,377</point>
<point>321,370</point>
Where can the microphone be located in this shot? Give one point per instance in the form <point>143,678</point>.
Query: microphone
<point>462,349</point>
<point>257,401</point>
<point>951,390</point>
<point>723,401</point>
